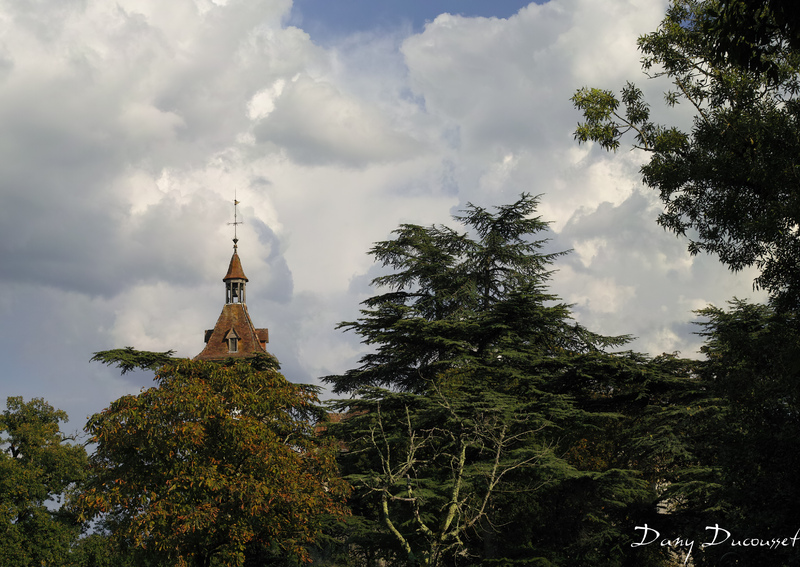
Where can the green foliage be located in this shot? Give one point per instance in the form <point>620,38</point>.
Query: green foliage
<point>38,468</point>
<point>507,431</point>
<point>722,447</point>
<point>751,33</point>
<point>129,359</point>
<point>618,450</point>
<point>430,464</point>
<point>212,461</point>
<point>97,549</point>
<point>458,300</point>
<point>751,427</point>
<point>729,184</point>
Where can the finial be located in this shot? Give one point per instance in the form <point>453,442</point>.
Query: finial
<point>236,222</point>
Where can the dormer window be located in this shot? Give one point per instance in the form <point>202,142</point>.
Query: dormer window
<point>233,341</point>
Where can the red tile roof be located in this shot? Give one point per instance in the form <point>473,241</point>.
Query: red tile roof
<point>234,317</point>
<point>235,271</point>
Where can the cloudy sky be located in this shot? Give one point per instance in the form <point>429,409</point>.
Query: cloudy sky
<point>127,126</point>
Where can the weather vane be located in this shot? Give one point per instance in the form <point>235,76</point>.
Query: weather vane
<point>236,222</point>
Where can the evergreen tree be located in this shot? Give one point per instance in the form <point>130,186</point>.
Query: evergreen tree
<point>746,431</point>
<point>722,446</point>
<point>464,299</point>
<point>494,397</point>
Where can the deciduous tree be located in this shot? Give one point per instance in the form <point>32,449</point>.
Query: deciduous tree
<point>730,183</point>
<point>749,33</point>
<point>212,459</point>
<point>39,467</point>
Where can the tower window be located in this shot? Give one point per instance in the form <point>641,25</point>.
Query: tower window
<point>232,337</point>
<point>234,292</point>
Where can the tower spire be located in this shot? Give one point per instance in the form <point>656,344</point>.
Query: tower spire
<point>235,278</point>
<point>236,222</point>
<point>234,334</point>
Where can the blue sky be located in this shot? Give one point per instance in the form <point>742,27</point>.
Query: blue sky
<point>326,20</point>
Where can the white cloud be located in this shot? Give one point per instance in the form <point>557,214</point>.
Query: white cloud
<point>587,250</point>
<point>599,295</point>
<point>128,126</point>
<point>263,102</point>
<point>316,124</point>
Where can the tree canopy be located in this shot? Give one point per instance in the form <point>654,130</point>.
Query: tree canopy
<point>484,406</point>
<point>750,436</point>
<point>453,299</point>
<point>39,467</point>
<point>730,183</point>
<point>213,459</point>
<point>749,33</point>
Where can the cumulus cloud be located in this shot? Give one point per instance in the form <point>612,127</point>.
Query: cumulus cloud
<point>315,124</point>
<point>128,127</point>
<point>628,276</point>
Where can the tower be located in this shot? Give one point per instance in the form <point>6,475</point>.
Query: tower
<point>234,335</point>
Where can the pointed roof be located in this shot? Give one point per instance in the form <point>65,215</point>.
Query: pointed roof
<point>234,335</point>
<point>235,271</point>
<point>234,322</point>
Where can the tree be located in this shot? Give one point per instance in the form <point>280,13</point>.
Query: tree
<point>619,452</point>
<point>456,300</point>
<point>723,447</point>
<point>97,549</point>
<point>731,183</point>
<point>749,433</point>
<point>428,466</point>
<point>482,392</point>
<point>39,467</point>
<point>749,33</point>
<point>129,359</point>
<point>214,459</point>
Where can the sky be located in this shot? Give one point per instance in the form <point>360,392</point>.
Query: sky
<point>128,127</point>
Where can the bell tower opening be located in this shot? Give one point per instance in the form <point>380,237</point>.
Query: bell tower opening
<point>234,292</point>
<point>235,279</point>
